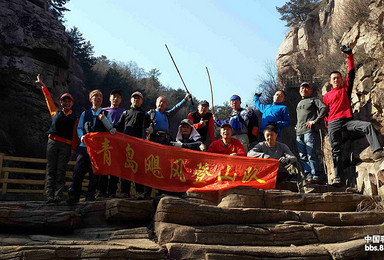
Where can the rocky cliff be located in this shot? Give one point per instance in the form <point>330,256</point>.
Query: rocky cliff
<point>32,41</point>
<point>310,51</point>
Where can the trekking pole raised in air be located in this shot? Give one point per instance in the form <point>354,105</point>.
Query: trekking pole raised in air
<point>174,63</point>
<point>210,84</point>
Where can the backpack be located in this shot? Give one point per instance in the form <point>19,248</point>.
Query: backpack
<point>253,122</point>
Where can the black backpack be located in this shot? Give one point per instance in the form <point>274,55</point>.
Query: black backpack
<point>253,122</point>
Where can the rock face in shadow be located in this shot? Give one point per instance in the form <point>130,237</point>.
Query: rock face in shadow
<point>32,41</point>
<point>311,51</point>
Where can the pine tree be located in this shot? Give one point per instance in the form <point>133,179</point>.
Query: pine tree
<point>57,9</point>
<point>82,49</point>
<point>296,11</point>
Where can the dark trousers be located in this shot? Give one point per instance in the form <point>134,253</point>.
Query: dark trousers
<point>83,165</point>
<point>108,184</point>
<point>126,188</point>
<point>58,154</point>
<point>335,129</point>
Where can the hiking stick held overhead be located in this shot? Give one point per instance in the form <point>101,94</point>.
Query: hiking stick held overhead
<point>210,84</point>
<point>174,63</point>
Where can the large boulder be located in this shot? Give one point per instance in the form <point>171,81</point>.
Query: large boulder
<point>32,41</point>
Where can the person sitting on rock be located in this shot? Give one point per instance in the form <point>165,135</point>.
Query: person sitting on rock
<point>275,112</point>
<point>338,101</point>
<point>62,139</point>
<point>270,148</point>
<point>91,120</point>
<point>187,136</point>
<point>227,145</point>
<point>310,111</point>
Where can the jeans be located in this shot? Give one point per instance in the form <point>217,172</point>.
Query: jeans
<point>307,152</point>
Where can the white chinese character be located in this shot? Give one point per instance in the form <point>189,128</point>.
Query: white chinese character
<point>367,238</point>
<point>376,239</point>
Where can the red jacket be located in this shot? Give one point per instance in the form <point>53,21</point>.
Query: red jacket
<point>338,101</point>
<point>234,146</point>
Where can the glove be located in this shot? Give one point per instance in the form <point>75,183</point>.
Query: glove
<point>346,49</point>
<point>149,130</point>
<point>258,94</point>
<point>284,161</point>
<point>177,144</point>
<point>112,131</point>
<point>188,96</point>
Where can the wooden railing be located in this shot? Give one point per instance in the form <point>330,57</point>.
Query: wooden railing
<point>23,176</point>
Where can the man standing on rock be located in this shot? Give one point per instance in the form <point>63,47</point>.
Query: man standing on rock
<point>203,121</point>
<point>62,141</point>
<point>91,120</point>
<point>108,183</point>
<point>310,111</point>
<point>338,101</point>
<point>160,119</point>
<point>135,122</point>
<point>275,112</point>
<point>239,121</point>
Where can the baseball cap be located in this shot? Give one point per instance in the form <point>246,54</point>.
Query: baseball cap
<point>137,93</point>
<point>204,103</point>
<point>66,95</point>
<point>186,121</point>
<point>305,84</point>
<point>226,124</point>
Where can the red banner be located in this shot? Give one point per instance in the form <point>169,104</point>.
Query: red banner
<point>176,169</point>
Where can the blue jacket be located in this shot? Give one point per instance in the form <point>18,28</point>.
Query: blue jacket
<point>276,112</point>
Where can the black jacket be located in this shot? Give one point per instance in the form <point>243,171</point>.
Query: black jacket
<point>133,122</point>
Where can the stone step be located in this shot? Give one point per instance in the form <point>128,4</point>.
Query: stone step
<point>184,212</point>
<point>95,243</point>
<point>50,221</point>
<point>354,249</point>
<point>36,216</point>
<point>116,249</point>
<point>247,197</point>
<point>277,234</point>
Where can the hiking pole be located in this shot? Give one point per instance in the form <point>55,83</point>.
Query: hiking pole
<point>210,84</point>
<point>174,63</point>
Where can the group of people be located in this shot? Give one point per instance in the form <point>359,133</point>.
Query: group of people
<point>237,132</point>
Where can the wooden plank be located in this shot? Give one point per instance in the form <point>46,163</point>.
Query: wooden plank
<point>23,170</point>
<point>20,181</point>
<point>5,183</point>
<point>1,163</point>
<point>24,191</point>
<point>24,159</point>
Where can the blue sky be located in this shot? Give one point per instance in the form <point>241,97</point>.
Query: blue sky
<point>233,38</point>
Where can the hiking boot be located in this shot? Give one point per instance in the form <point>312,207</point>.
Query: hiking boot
<point>316,180</point>
<point>50,201</point>
<point>378,155</point>
<point>337,182</point>
<point>90,198</point>
<point>72,201</point>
